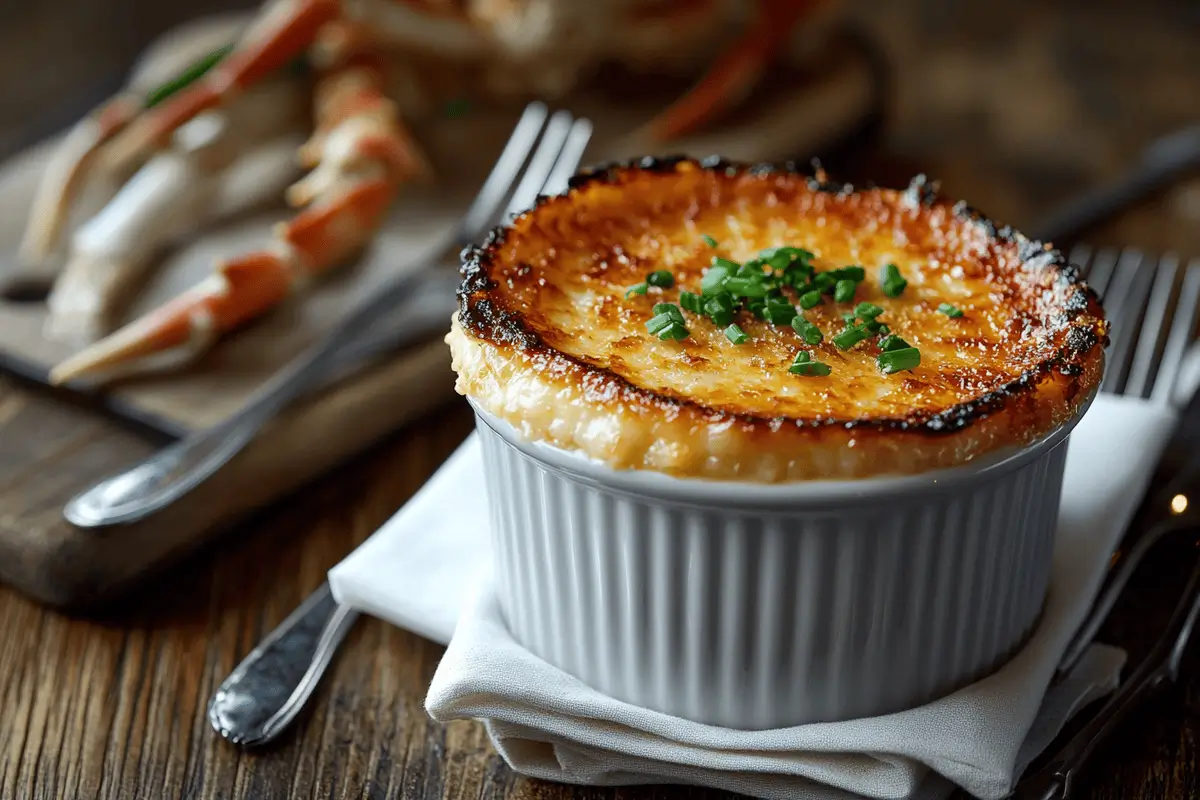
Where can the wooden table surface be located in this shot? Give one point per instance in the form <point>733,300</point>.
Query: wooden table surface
<point>1013,105</point>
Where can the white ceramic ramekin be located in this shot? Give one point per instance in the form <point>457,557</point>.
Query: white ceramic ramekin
<point>759,606</point>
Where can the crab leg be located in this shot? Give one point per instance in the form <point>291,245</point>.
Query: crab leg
<point>66,171</point>
<point>736,72</point>
<point>69,167</point>
<point>281,34</point>
<point>364,155</point>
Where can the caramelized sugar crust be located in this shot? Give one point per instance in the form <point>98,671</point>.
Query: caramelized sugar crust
<point>545,338</point>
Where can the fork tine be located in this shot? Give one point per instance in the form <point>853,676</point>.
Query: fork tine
<point>1102,270</point>
<point>1155,325</point>
<point>499,182</point>
<point>1180,336</point>
<point>1125,304</point>
<point>568,160</point>
<point>541,164</point>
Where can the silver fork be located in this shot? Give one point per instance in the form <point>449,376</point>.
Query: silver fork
<point>268,689</point>
<point>1152,356</point>
<point>1153,309</point>
<point>172,472</point>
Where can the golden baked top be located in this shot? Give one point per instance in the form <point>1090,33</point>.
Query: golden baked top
<point>874,331</point>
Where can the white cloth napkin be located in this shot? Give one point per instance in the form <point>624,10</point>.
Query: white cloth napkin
<point>428,569</point>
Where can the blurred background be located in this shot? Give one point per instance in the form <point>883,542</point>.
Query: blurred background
<point>1014,105</point>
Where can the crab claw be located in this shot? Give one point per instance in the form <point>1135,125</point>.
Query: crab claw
<point>65,174</point>
<point>285,31</point>
<point>237,291</point>
<point>736,72</point>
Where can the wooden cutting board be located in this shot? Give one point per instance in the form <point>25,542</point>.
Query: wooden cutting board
<point>799,113</point>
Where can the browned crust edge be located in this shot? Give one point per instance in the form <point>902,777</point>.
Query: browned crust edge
<point>486,321</point>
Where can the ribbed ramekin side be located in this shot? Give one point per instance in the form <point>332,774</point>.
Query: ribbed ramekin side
<point>758,620</point>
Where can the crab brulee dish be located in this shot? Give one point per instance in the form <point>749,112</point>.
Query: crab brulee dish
<point>764,450</point>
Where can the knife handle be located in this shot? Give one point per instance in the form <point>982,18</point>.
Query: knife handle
<point>270,687</point>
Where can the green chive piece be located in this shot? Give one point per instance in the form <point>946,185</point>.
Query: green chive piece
<point>661,278</point>
<point>899,360</point>
<point>780,315</point>
<point>721,261</point>
<point>804,365</point>
<point>843,291</point>
<point>810,299</point>
<point>671,310</point>
<point>736,335</point>
<point>708,240</point>
<point>849,337</point>
<point>720,309</point>
<point>714,279</point>
<point>673,331</point>
<point>824,281</point>
<point>809,332</point>
<point>867,311</point>
<point>950,311</point>
<point>849,317</point>
<point>745,287</point>
<point>874,326</point>
<point>659,323</point>
<point>856,274</point>
<point>190,75</point>
<point>691,302</point>
<point>811,368</point>
<point>893,342</point>
<point>637,288</point>
<point>891,280</point>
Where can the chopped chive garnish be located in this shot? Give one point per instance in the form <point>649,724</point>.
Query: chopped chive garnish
<point>843,291</point>
<point>824,281</point>
<point>708,240</point>
<point>849,337</point>
<point>637,288</point>
<point>714,280</point>
<point>810,333</point>
<point>661,278</point>
<point>849,317</point>
<point>804,365</point>
<point>780,315</point>
<point>671,310</point>
<point>658,323</point>
<point>674,331</point>
<point>892,282</point>
<point>867,311</point>
<point>949,310</point>
<point>899,360</point>
<point>732,266</point>
<point>856,274</point>
<point>720,309</point>
<point>810,299</point>
<point>873,326</point>
<point>736,335</point>
<point>691,302</point>
<point>745,287</point>
<point>893,342</point>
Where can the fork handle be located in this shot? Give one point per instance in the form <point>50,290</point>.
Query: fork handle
<point>269,688</point>
<point>175,470</point>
